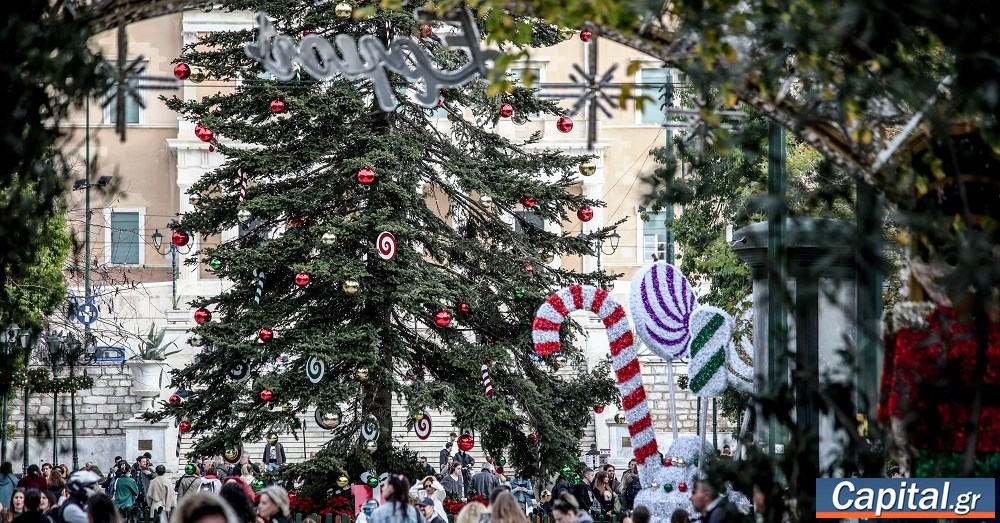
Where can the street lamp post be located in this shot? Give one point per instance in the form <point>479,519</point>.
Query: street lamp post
<point>53,341</point>
<point>613,240</point>
<point>8,342</point>
<point>173,250</point>
<point>71,351</point>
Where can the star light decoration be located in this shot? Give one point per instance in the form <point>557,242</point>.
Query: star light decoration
<point>129,80</point>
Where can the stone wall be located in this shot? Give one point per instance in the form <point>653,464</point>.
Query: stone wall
<point>100,416</point>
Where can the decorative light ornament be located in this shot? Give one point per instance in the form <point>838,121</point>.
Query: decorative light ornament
<point>366,176</point>
<point>486,201</point>
<point>585,214</point>
<point>197,76</point>
<point>294,424</point>
<point>548,257</point>
<point>564,124</point>
<point>371,447</point>
<point>265,334</point>
<point>215,264</point>
<point>182,71</point>
<point>518,293</point>
<point>668,487</point>
<point>466,442</point>
<point>329,420</point>
<point>620,418</point>
<point>529,268</point>
<point>257,485</point>
<point>565,471</point>
<point>343,481</point>
<point>501,461</point>
<point>683,487</point>
<point>174,399</point>
<point>464,308</point>
<point>266,395</point>
<point>361,374</point>
<point>278,106</point>
<point>204,133</point>
<point>528,201</point>
<point>588,169</point>
<point>426,31</point>
<point>667,462</point>
<point>202,315</point>
<point>329,238</point>
<point>351,287</point>
<point>343,10</point>
<point>272,438</point>
<point>244,216</point>
<point>180,238</point>
<point>598,409</point>
<point>506,110</point>
<point>586,35</point>
<point>372,480</point>
<point>534,439</point>
<point>302,279</point>
<point>184,427</point>
<point>286,408</point>
<point>442,318</point>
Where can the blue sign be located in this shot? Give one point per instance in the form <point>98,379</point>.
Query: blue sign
<point>86,313</point>
<point>966,498</point>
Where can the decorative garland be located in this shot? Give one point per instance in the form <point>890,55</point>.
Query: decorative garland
<point>41,381</point>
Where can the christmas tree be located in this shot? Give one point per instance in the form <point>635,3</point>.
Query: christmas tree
<point>379,258</point>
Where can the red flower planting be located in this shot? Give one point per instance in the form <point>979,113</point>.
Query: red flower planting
<point>336,506</point>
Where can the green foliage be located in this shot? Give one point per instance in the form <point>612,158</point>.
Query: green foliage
<point>152,348</point>
<point>42,286</point>
<point>451,249</point>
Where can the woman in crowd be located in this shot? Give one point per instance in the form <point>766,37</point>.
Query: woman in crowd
<point>397,508</point>
<point>604,494</point>
<point>33,479</point>
<point>273,506</point>
<point>8,482</point>
<point>520,486</point>
<point>566,510</point>
<point>16,507</point>
<point>202,507</point>
<point>126,493</point>
<point>31,514</point>
<point>56,482</point>
<point>234,496</point>
<point>506,509</point>
<point>471,512</point>
<point>100,509</point>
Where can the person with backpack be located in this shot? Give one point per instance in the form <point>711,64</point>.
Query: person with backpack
<point>126,495</point>
<point>630,489</point>
<point>210,482</point>
<point>80,486</point>
<point>188,483</point>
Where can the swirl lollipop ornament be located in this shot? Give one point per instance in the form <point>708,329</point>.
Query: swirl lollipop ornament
<point>315,369</point>
<point>386,244</point>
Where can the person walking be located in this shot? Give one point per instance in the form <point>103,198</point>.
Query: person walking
<point>161,492</point>
<point>8,482</point>
<point>127,495</point>
<point>485,481</point>
<point>188,483</point>
<point>396,508</point>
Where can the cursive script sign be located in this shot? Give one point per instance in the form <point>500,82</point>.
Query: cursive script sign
<point>370,58</point>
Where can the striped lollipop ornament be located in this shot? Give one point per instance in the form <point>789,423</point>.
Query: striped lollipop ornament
<point>711,333</point>
<point>487,381</point>
<point>661,301</point>
<point>545,335</point>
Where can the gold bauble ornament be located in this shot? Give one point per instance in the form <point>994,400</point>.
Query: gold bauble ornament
<point>361,374</point>
<point>546,495</point>
<point>272,438</point>
<point>371,447</point>
<point>620,418</point>
<point>417,416</point>
<point>548,257</point>
<point>343,10</point>
<point>567,33</point>
<point>197,75</point>
<point>343,481</point>
<point>588,169</point>
<point>286,408</point>
<point>351,286</point>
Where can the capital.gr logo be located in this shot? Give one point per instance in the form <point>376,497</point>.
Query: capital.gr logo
<point>965,498</point>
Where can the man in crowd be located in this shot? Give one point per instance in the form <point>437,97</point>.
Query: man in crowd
<point>427,508</point>
<point>425,468</point>
<point>143,474</point>
<point>161,492</point>
<point>713,507</point>
<point>485,481</point>
<point>189,483</point>
<point>445,457</point>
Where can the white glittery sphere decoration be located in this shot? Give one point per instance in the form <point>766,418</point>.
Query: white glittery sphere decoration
<point>661,503</point>
<point>329,238</point>
<point>244,216</point>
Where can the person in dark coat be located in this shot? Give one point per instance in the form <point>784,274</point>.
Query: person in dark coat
<point>714,508</point>
<point>444,455</point>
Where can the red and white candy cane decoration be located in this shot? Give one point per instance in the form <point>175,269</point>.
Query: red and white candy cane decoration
<point>487,381</point>
<point>243,184</point>
<point>545,335</point>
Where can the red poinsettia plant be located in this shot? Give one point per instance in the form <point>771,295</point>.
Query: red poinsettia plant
<point>336,506</point>
<point>453,506</point>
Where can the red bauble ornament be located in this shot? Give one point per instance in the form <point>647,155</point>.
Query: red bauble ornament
<point>426,30</point>
<point>667,462</point>
<point>174,398</point>
<point>180,238</point>
<point>586,35</point>
<point>265,334</point>
<point>184,427</point>
<point>528,201</point>
<point>499,470</point>
<point>266,395</point>
<point>599,409</point>
<point>182,71</point>
<point>308,32</point>
<point>204,133</point>
<point>442,318</point>
<point>683,487</point>
<point>533,437</point>
<point>302,279</point>
<point>529,269</point>
<point>299,221</point>
<point>202,315</point>
<point>585,214</point>
<point>564,124</point>
<point>278,106</point>
<point>506,110</point>
<point>211,148</point>
<point>366,176</point>
<point>466,442</point>
<point>464,308</point>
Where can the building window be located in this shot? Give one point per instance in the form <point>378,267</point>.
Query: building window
<point>655,236</point>
<point>527,219</point>
<point>125,242</point>
<point>651,79</point>
<point>132,110</point>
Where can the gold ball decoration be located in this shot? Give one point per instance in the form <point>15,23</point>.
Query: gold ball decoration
<point>620,418</point>
<point>272,438</point>
<point>328,419</point>
<point>343,481</point>
<point>351,287</point>
<point>417,416</point>
<point>362,374</point>
<point>548,257</point>
<point>244,216</point>
<point>197,75</point>
<point>371,447</point>
<point>588,169</point>
<point>286,408</point>
<point>343,10</point>
<point>567,33</point>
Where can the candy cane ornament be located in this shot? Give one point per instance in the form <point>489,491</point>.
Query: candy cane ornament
<point>487,381</point>
<point>545,335</point>
<point>243,184</point>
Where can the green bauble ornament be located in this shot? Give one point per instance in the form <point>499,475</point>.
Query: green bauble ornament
<point>373,481</point>
<point>576,479</point>
<point>519,294</point>
<point>215,264</point>
<point>258,485</point>
<point>295,424</point>
<point>669,487</point>
<point>501,461</point>
<point>566,471</point>
<point>190,469</point>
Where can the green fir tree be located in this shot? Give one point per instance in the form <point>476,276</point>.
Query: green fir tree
<point>306,214</point>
